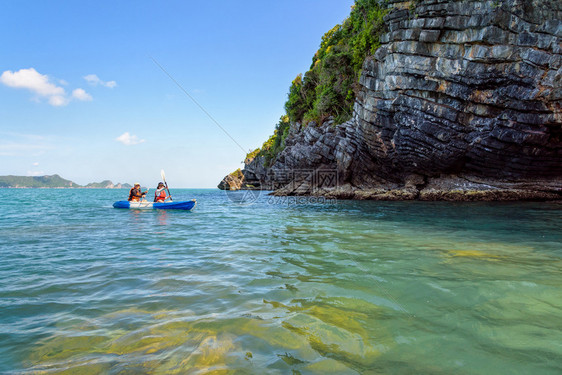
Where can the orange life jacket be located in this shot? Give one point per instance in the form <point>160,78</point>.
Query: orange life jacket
<point>133,197</point>
<point>160,196</point>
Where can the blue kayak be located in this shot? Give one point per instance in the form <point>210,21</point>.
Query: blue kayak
<point>145,205</point>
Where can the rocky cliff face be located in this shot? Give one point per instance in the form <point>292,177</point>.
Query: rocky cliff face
<point>463,101</point>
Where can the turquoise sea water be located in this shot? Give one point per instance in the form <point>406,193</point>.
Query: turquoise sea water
<point>277,287</point>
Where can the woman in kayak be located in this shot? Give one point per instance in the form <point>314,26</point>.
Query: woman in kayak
<point>135,194</point>
<point>160,193</point>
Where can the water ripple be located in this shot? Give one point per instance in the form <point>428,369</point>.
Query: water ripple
<point>356,287</point>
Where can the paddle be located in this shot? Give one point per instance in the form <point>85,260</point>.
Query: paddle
<point>165,183</point>
<point>143,197</point>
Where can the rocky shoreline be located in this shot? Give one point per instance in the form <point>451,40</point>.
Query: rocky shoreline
<point>462,102</point>
<point>443,188</point>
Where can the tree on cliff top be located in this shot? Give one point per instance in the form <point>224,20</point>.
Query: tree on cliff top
<point>330,86</point>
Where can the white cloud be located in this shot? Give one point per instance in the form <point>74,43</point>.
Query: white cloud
<point>41,85</point>
<point>94,80</point>
<point>36,164</point>
<point>32,80</point>
<point>82,95</point>
<point>128,139</point>
<point>58,100</point>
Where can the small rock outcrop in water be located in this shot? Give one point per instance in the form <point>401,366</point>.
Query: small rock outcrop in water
<point>240,181</point>
<point>233,181</point>
<point>462,101</point>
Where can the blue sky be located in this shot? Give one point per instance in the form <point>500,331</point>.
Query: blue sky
<point>81,97</point>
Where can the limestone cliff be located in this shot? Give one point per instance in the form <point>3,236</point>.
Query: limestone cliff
<point>462,101</point>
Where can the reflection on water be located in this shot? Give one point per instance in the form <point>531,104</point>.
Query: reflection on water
<point>352,288</point>
<point>162,217</point>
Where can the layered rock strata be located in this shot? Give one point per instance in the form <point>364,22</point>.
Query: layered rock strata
<point>462,101</point>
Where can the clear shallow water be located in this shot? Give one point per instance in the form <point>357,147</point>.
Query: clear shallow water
<point>276,288</point>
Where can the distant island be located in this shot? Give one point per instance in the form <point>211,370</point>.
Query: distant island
<point>54,181</point>
<point>107,184</point>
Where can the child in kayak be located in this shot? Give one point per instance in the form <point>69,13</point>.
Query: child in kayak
<point>160,193</point>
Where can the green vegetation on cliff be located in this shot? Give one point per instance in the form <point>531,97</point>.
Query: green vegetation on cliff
<point>237,174</point>
<point>330,86</point>
<point>274,145</point>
